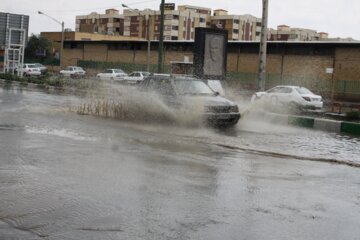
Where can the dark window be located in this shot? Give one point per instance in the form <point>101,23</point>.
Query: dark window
<point>162,86</point>
<point>175,27</point>
<point>175,17</point>
<point>236,30</point>
<point>202,19</point>
<point>258,24</point>
<point>236,21</point>
<point>174,38</point>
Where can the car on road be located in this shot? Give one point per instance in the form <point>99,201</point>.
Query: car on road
<point>112,74</point>
<point>43,69</point>
<point>29,69</point>
<point>291,96</point>
<point>73,72</point>
<point>190,95</point>
<point>136,77</point>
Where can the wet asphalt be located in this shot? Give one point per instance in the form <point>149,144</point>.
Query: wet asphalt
<point>70,176</point>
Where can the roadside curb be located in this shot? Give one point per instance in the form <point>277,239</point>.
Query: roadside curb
<point>309,122</point>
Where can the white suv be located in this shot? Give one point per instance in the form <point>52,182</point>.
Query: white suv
<point>73,71</point>
<point>29,70</point>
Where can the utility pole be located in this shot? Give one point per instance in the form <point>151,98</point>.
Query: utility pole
<point>263,43</point>
<point>161,40</point>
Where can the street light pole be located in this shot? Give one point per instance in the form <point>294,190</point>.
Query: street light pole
<point>148,42</point>
<point>62,35</point>
<point>263,43</point>
<point>147,34</point>
<point>161,40</point>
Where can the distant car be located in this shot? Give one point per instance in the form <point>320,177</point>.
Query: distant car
<point>136,77</point>
<point>112,74</point>
<point>191,95</point>
<point>292,96</point>
<point>28,69</point>
<point>43,69</point>
<point>73,71</point>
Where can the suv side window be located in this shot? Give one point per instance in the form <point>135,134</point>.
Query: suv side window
<point>162,86</point>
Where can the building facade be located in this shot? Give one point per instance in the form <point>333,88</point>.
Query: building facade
<point>179,24</point>
<point>110,23</point>
<point>286,33</point>
<point>240,27</point>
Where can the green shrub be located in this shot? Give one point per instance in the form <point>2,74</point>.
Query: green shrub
<point>352,116</point>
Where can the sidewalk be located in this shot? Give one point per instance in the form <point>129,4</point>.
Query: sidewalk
<point>309,122</point>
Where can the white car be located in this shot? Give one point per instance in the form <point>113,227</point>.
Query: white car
<point>29,70</point>
<point>73,71</point>
<point>112,74</point>
<point>43,69</point>
<point>136,77</point>
<point>292,96</point>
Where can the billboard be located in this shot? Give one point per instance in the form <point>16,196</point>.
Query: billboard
<point>17,21</point>
<point>210,53</point>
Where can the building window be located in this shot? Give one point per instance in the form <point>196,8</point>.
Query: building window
<point>236,21</point>
<point>236,31</point>
<point>174,38</point>
<point>258,24</point>
<point>168,17</point>
<point>175,28</point>
<point>156,28</point>
<point>175,17</point>
<point>202,20</point>
<point>83,21</point>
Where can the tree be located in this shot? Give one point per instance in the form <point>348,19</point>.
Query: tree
<point>38,47</point>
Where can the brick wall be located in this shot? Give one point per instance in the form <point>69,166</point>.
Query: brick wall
<point>300,69</point>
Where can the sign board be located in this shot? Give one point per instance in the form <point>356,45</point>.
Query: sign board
<point>40,52</point>
<point>169,6</point>
<point>16,21</point>
<point>329,70</point>
<point>210,53</point>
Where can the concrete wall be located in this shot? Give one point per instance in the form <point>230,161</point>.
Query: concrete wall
<point>291,64</point>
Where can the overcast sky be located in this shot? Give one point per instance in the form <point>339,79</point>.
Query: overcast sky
<point>339,18</point>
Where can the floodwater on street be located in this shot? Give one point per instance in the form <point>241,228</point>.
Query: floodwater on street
<point>69,176</point>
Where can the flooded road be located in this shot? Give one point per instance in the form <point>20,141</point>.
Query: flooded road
<point>70,176</point>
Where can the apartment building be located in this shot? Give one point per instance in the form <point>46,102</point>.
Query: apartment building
<point>179,24</point>
<point>110,23</point>
<point>240,27</point>
<point>286,33</point>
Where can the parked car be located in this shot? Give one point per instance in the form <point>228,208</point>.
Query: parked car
<point>112,74</point>
<point>292,96</point>
<point>28,69</point>
<point>73,71</point>
<point>43,69</point>
<point>136,77</point>
<point>193,95</point>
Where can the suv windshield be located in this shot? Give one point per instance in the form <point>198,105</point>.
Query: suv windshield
<point>192,86</point>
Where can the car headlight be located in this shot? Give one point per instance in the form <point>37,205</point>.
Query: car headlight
<point>234,108</point>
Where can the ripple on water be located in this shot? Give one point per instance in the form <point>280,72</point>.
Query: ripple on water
<point>66,133</point>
